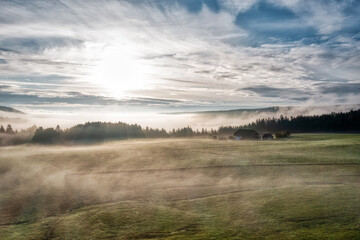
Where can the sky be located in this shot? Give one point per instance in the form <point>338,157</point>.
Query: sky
<point>177,55</point>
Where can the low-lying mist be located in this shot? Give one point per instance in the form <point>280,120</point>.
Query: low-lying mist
<point>168,121</point>
<point>37,181</point>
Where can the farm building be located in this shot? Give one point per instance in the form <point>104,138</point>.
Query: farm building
<point>246,134</point>
<point>267,136</point>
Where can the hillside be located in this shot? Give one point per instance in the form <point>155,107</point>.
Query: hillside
<point>279,110</point>
<point>10,110</point>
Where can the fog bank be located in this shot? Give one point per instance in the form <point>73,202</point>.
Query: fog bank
<point>167,120</point>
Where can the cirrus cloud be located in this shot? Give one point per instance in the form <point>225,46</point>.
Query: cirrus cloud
<point>205,52</point>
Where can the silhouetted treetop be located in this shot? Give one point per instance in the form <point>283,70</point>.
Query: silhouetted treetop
<point>46,136</point>
<point>9,129</point>
<point>95,131</point>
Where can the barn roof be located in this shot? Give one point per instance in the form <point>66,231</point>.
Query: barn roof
<point>245,131</point>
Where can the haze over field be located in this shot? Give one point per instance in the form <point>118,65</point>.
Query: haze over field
<point>131,60</point>
<point>303,187</point>
<point>196,120</point>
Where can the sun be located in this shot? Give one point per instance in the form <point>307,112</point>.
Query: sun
<point>119,70</point>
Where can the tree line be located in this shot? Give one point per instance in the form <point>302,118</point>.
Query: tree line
<point>333,122</point>
<point>102,131</point>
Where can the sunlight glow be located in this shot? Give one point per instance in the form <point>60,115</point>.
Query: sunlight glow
<point>119,70</point>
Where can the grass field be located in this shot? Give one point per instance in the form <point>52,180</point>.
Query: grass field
<point>303,187</point>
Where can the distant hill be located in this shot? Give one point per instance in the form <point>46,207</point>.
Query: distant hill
<point>277,111</point>
<point>9,109</point>
<point>232,111</point>
<point>240,111</point>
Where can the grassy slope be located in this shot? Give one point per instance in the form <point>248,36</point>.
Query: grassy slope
<point>275,202</point>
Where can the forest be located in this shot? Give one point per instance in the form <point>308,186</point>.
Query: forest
<point>332,122</point>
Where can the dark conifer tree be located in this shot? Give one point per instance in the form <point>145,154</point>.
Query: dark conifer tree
<point>9,129</point>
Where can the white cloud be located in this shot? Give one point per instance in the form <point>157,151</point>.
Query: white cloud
<point>202,58</point>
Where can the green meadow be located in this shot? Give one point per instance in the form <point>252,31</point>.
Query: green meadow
<point>303,187</point>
